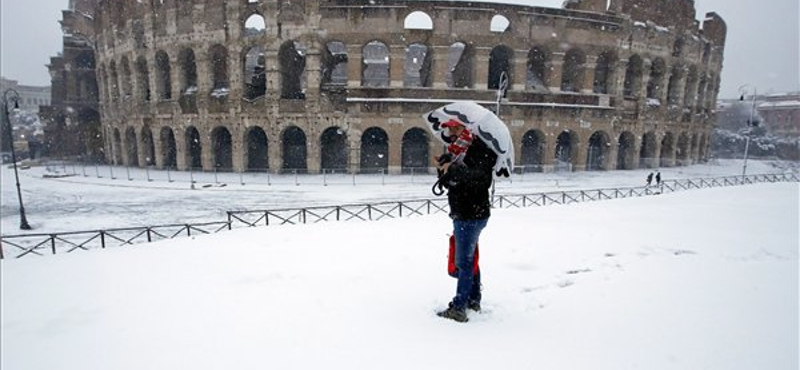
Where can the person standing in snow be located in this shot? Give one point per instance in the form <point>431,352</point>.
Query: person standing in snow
<point>467,181</point>
<point>658,178</point>
<point>649,179</point>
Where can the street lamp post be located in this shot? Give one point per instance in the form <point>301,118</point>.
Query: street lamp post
<point>23,222</point>
<point>749,127</point>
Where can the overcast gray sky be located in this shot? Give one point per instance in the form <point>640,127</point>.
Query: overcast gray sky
<point>763,46</point>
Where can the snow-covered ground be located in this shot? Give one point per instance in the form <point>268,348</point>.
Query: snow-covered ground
<point>90,202</point>
<point>702,279</point>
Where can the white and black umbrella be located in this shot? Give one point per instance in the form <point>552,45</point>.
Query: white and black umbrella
<point>482,123</point>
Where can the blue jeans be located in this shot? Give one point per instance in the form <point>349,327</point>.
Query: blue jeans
<point>467,233</point>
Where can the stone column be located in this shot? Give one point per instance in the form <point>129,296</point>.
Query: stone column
<point>354,61</point>
<point>397,54</point>
<point>158,154</point>
<point>395,151</point>
<point>181,150</point>
<point>238,146</point>
<point>207,157</point>
<point>519,72</point>
<point>481,70</point>
<point>589,69</point>
<point>274,151</point>
<point>556,69</point>
<point>440,66</point>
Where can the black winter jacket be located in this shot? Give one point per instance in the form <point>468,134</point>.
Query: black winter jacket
<point>468,183</point>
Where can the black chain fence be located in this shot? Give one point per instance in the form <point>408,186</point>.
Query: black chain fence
<point>17,246</point>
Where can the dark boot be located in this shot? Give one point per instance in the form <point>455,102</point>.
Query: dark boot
<point>453,313</point>
<point>474,305</point>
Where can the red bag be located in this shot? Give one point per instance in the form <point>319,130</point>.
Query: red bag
<point>452,270</point>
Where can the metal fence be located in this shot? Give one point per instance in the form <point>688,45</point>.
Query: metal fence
<point>18,246</point>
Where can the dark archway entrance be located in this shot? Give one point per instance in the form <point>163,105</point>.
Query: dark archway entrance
<point>374,150</point>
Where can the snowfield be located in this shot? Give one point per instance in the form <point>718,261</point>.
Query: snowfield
<point>701,279</point>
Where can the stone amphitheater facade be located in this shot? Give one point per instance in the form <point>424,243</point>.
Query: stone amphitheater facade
<point>340,85</point>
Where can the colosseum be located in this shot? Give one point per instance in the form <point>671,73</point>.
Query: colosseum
<point>341,85</point>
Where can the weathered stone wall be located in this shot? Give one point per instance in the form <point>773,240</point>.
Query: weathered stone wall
<point>181,85</point>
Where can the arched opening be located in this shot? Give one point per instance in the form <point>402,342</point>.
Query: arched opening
<point>218,58</point>
<point>459,66</point>
<point>374,150</point>
<point>163,79</point>
<point>127,86</point>
<point>418,20</point>
<point>132,147</point>
<point>677,47</point>
<point>293,146</point>
<point>188,72</point>
<point>375,65</point>
<point>334,65</point>
<point>673,90</point>
<point>415,151</point>
<point>499,24</point>
<point>533,144</point>
<point>255,25</point>
<point>195,146</point>
<point>257,150</point>
<point>572,74</point>
<point>633,76</point>
<point>222,145</point>
<point>647,153</point>
<point>333,145</point>
<point>117,147</point>
<point>255,77</point>
<point>625,151</point>
<point>113,83</point>
<point>148,146</point>
<point>537,70</point>
<point>603,73</point>
<point>656,81</point>
<point>564,150</point>
<point>693,152</point>
<point>169,151</point>
<point>596,154</point>
<point>667,154</point>
<point>143,79</point>
<point>292,60</point>
<point>417,66</point>
<point>688,94</point>
<point>701,93</point>
<point>703,151</point>
<point>682,152</point>
<point>501,59</point>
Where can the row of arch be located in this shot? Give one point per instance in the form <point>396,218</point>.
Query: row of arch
<point>679,84</point>
<point>335,149</point>
<point>333,143</point>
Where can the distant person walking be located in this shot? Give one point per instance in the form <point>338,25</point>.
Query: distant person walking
<point>649,179</point>
<point>658,178</point>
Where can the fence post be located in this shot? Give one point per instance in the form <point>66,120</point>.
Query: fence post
<point>400,208</point>
<point>102,239</point>
<point>128,170</point>
<point>83,167</point>
<point>149,239</point>
<point>97,170</point>
<point>53,243</point>
<point>188,230</point>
